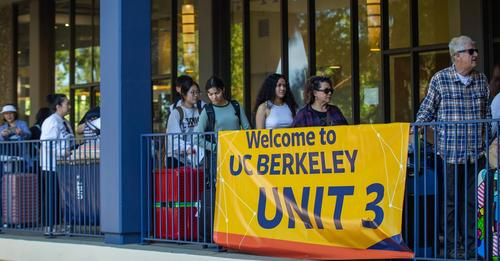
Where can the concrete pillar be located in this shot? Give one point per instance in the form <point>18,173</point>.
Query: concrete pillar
<point>125,112</point>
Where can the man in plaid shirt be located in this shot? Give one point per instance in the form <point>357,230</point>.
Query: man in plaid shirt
<point>459,93</point>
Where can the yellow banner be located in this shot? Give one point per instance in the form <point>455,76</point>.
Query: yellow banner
<point>304,192</point>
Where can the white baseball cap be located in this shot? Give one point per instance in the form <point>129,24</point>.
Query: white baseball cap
<point>8,108</point>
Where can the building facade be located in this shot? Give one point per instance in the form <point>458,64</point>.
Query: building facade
<point>125,55</point>
<point>380,54</point>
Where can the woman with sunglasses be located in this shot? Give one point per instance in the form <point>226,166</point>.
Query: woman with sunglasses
<point>317,111</point>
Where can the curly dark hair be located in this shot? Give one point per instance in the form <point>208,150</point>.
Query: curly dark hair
<point>268,92</point>
<point>312,84</point>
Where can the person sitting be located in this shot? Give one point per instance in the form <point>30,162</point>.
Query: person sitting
<point>13,129</point>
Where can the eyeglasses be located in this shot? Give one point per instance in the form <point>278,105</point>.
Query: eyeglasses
<point>326,91</point>
<point>470,51</point>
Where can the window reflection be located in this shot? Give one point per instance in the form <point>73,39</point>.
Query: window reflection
<point>62,40</point>
<point>370,62</point>
<point>438,21</point>
<point>298,47</point>
<point>84,51</point>
<point>265,42</point>
<point>333,49</point>
<point>23,61</point>
<point>237,77</point>
<point>188,38</point>
<point>399,23</point>
<point>81,102</point>
<point>430,63</point>
<point>162,92</point>
<point>161,42</point>
<point>401,88</point>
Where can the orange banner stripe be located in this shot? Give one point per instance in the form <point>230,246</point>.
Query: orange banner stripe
<point>288,249</point>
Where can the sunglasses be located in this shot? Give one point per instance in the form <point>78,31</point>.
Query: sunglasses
<point>470,51</point>
<point>326,91</point>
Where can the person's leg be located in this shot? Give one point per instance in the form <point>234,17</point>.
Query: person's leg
<point>449,230</point>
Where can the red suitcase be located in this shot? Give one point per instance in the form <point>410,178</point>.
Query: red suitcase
<point>176,221</point>
<point>177,196</point>
<point>19,199</point>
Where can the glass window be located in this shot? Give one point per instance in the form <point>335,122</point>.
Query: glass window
<point>298,47</point>
<point>161,42</point>
<point>438,21</point>
<point>83,42</point>
<point>62,39</point>
<point>237,77</point>
<point>23,61</point>
<point>188,38</point>
<point>96,42</point>
<point>161,100</point>
<point>399,23</point>
<point>333,50</point>
<point>81,103</point>
<point>265,34</point>
<point>430,63</point>
<point>401,88</point>
<point>370,62</point>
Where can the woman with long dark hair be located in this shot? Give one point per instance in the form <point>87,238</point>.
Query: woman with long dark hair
<point>275,105</point>
<point>317,111</point>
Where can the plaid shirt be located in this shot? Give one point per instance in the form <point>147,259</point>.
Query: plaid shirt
<point>307,117</point>
<point>448,99</point>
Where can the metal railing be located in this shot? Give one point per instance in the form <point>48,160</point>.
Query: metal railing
<point>445,159</point>
<point>50,186</point>
<point>451,200</point>
<point>178,175</point>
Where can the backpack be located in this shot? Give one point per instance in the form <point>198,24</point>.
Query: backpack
<point>181,112</point>
<point>211,114</point>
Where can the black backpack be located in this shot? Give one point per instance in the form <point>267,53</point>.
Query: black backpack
<point>211,114</point>
<point>181,112</point>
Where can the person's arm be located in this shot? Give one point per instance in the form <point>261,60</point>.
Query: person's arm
<point>260,116</point>
<point>81,128</point>
<point>174,130</point>
<point>25,131</point>
<point>199,139</point>
<point>299,119</point>
<point>245,124</point>
<point>430,104</point>
<point>3,132</point>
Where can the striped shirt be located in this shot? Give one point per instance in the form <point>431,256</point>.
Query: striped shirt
<point>448,99</point>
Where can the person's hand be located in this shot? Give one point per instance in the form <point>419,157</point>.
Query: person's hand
<point>5,133</point>
<point>18,131</point>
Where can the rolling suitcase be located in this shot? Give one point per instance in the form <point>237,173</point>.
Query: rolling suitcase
<point>79,190</point>
<point>176,201</point>
<point>20,199</point>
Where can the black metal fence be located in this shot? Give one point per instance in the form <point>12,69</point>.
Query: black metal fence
<point>50,186</point>
<point>451,200</point>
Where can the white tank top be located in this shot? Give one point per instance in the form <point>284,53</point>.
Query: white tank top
<point>280,116</point>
